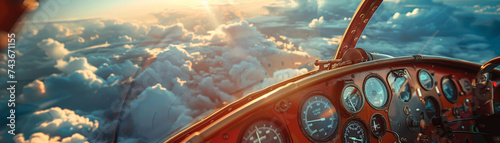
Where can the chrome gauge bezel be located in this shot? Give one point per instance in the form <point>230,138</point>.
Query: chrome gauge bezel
<point>300,118</point>
<point>386,88</point>
<point>448,79</point>
<point>267,118</point>
<point>433,80</point>
<point>345,104</point>
<point>363,126</point>
<point>371,125</point>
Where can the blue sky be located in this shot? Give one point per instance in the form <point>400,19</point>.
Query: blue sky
<point>189,57</point>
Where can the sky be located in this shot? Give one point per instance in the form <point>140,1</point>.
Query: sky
<point>178,61</point>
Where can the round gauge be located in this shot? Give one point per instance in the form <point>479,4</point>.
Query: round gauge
<point>402,88</point>
<point>264,131</point>
<point>319,120</point>
<point>376,92</point>
<point>449,89</point>
<point>378,125</point>
<point>431,107</point>
<point>426,80</point>
<point>352,99</point>
<point>355,132</point>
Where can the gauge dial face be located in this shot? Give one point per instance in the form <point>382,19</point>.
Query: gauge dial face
<point>376,92</point>
<point>425,79</point>
<point>378,125</point>
<point>318,118</point>
<point>431,107</point>
<point>449,89</point>
<point>355,132</point>
<point>264,131</point>
<point>402,88</point>
<point>352,99</point>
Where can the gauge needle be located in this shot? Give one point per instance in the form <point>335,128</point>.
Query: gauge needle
<point>352,105</point>
<point>356,139</point>
<point>375,125</point>
<point>257,132</point>
<point>322,119</point>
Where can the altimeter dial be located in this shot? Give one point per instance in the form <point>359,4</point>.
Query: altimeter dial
<point>319,119</point>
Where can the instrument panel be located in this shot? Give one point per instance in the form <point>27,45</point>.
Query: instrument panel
<point>402,99</point>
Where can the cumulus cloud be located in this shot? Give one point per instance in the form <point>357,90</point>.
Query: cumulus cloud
<point>53,49</point>
<point>157,111</point>
<point>33,92</point>
<point>41,137</point>
<point>58,122</point>
<point>170,33</point>
<point>80,88</point>
<point>316,22</point>
<point>126,69</point>
<point>74,64</point>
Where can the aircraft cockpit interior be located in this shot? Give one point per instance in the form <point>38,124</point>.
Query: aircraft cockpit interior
<point>361,97</point>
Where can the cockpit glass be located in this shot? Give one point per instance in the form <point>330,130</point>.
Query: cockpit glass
<point>448,28</point>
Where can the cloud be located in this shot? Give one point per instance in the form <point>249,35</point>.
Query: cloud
<point>33,92</point>
<point>316,22</point>
<point>157,111</point>
<point>396,15</point>
<point>53,49</point>
<point>80,88</point>
<point>170,33</point>
<point>74,64</point>
<point>41,137</point>
<point>126,69</point>
<point>58,122</point>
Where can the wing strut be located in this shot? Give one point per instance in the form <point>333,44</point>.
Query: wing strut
<point>358,23</point>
